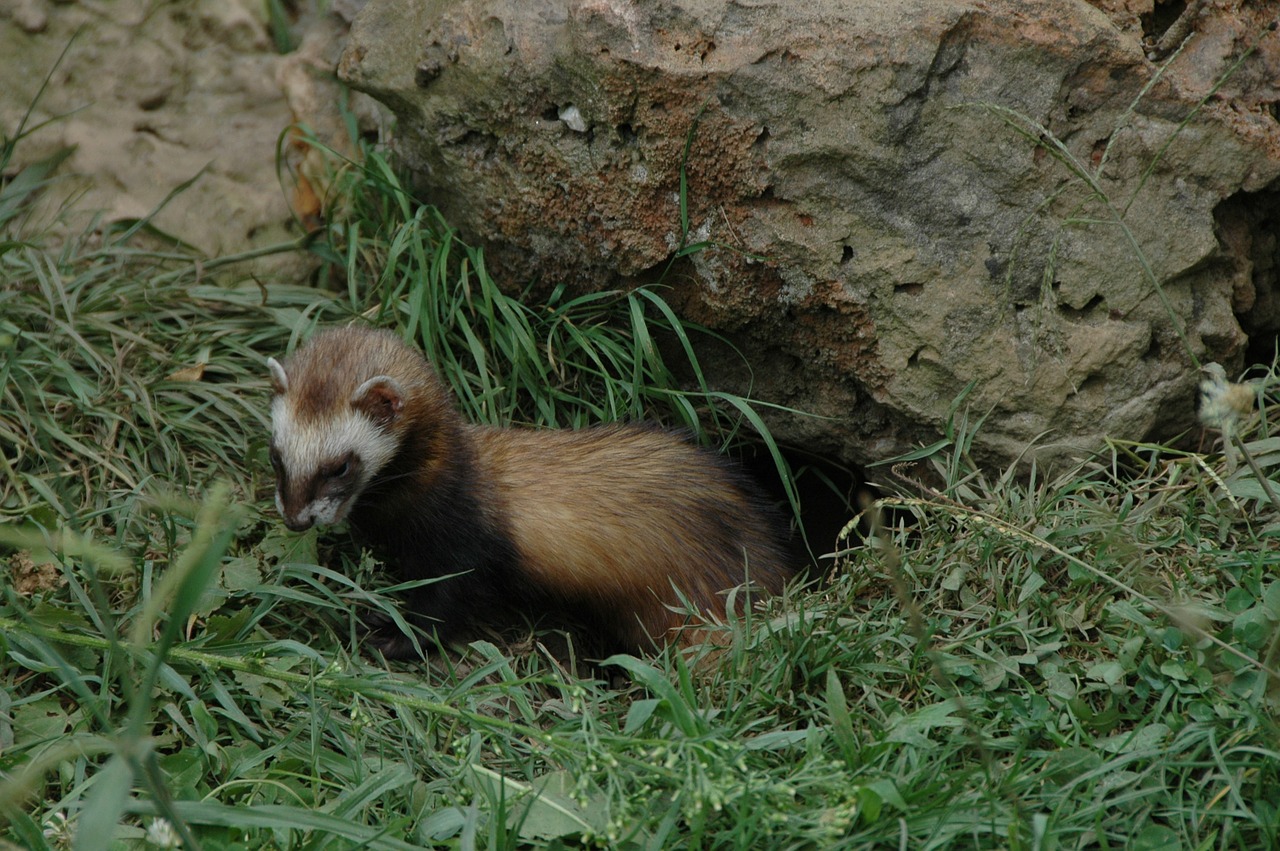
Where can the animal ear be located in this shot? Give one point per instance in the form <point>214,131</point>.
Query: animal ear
<point>381,399</point>
<point>279,381</point>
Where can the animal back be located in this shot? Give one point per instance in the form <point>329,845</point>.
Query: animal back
<point>614,519</point>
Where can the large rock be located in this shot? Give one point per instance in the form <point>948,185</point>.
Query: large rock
<point>891,214</point>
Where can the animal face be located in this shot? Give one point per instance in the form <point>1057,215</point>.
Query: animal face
<point>323,467</point>
<point>324,460</point>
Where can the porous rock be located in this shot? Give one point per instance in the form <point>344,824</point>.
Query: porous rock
<point>895,199</point>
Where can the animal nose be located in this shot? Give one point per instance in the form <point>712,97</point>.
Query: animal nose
<point>295,524</point>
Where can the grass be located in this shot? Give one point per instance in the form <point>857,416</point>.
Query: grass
<point>1079,660</point>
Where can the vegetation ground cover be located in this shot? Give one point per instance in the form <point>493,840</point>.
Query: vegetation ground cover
<point>1081,658</point>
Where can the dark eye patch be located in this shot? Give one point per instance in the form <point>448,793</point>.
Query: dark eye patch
<point>339,469</point>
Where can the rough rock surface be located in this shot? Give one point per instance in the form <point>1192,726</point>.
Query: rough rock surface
<point>886,228</point>
<point>151,96</point>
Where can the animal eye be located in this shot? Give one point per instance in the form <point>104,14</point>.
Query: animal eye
<point>338,471</point>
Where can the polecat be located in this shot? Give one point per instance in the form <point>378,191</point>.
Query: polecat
<point>607,525</point>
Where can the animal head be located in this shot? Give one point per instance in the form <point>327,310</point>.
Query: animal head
<point>337,416</point>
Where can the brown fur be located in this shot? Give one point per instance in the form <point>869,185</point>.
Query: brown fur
<point>599,523</point>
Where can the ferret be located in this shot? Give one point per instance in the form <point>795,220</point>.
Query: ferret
<point>615,527</point>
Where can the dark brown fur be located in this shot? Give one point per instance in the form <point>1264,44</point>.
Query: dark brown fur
<point>598,524</point>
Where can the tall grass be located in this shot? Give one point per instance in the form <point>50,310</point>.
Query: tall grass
<point>1081,662</point>
<point>559,361</point>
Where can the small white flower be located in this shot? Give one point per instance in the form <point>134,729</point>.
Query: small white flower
<point>1225,406</point>
<point>161,834</point>
<point>57,830</point>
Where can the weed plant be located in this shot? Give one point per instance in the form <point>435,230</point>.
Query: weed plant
<point>1085,660</point>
